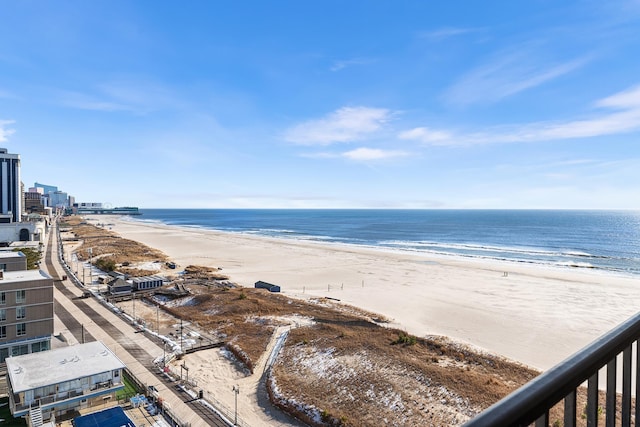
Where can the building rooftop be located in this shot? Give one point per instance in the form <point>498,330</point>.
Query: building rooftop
<point>11,254</point>
<point>23,276</point>
<point>35,370</point>
<point>146,278</point>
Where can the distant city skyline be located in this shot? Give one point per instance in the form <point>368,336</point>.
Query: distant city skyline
<point>285,104</point>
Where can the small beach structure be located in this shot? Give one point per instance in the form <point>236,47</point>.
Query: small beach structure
<point>146,282</point>
<point>119,287</point>
<point>268,286</point>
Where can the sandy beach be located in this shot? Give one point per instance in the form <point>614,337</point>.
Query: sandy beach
<point>532,314</point>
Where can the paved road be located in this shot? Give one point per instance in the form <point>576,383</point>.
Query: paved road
<point>76,328</point>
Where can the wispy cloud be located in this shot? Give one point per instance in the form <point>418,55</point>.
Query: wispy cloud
<point>447,32</point>
<point>4,131</point>
<point>369,154</point>
<point>426,135</point>
<point>343,125</point>
<point>506,75</point>
<point>129,96</point>
<point>624,118</point>
<point>83,101</point>
<point>339,65</point>
<point>362,154</point>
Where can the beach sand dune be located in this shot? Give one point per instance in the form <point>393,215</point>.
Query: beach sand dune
<point>535,315</point>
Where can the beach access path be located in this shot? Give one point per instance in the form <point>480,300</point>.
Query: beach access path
<point>137,351</point>
<point>533,314</point>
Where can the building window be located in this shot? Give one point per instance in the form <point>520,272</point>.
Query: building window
<point>4,353</point>
<point>19,350</point>
<point>21,312</point>
<point>21,329</point>
<point>37,347</point>
<point>3,314</point>
<point>3,298</point>
<point>3,331</point>
<point>21,296</point>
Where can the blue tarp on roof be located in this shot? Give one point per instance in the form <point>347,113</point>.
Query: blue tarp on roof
<point>113,417</point>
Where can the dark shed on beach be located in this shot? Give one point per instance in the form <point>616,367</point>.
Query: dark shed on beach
<point>268,286</point>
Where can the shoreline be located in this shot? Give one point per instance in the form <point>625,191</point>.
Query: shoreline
<point>537,315</point>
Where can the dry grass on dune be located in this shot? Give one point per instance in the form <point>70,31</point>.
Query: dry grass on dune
<point>108,245</point>
<point>355,371</point>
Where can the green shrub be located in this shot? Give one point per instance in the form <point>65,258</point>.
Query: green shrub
<point>406,339</point>
<point>105,264</point>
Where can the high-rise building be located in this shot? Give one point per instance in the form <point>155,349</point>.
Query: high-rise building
<point>46,188</point>
<point>59,199</point>
<point>10,194</point>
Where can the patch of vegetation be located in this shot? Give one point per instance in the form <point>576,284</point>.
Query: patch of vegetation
<point>128,390</point>
<point>7,418</point>
<point>105,264</point>
<point>405,338</point>
<point>97,242</point>
<point>33,257</point>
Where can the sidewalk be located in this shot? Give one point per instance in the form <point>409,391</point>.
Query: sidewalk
<point>185,413</point>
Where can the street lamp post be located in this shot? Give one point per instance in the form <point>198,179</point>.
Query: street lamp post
<point>164,355</point>
<point>90,268</point>
<point>236,390</point>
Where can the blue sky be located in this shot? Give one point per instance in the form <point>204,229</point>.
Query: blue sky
<point>341,104</point>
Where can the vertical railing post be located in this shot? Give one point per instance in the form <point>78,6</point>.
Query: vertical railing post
<point>570,410</point>
<point>543,420</point>
<point>610,419</point>
<point>626,387</point>
<point>592,401</point>
<point>637,408</point>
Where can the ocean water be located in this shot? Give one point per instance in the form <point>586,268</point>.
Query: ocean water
<point>597,240</point>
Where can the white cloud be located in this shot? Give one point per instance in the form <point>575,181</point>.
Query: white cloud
<point>4,132</point>
<point>368,154</point>
<point>506,75</point>
<point>447,32</point>
<point>629,98</point>
<point>339,65</point>
<point>427,136</point>
<point>343,125</point>
<point>625,119</point>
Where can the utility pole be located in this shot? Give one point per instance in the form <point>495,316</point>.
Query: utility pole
<point>158,319</point>
<point>236,390</point>
<point>90,266</point>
